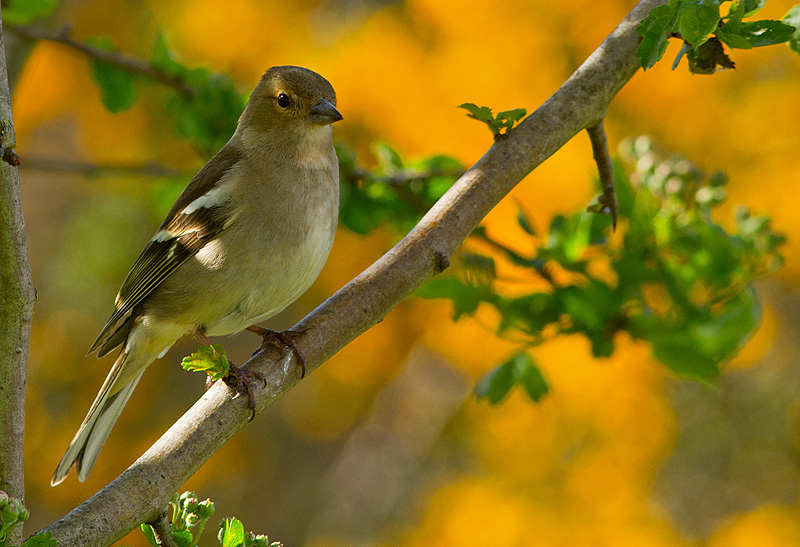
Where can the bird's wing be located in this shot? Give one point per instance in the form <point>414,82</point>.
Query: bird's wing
<point>198,216</point>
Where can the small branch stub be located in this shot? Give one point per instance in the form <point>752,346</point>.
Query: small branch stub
<point>162,531</point>
<point>10,156</point>
<point>7,150</point>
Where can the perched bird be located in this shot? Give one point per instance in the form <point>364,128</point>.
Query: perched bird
<point>245,239</point>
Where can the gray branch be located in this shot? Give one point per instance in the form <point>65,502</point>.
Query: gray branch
<point>16,304</point>
<point>141,491</point>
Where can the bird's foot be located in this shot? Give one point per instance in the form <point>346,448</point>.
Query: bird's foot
<point>241,379</point>
<point>284,340</point>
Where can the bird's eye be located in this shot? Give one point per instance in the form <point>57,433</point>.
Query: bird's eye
<point>283,100</point>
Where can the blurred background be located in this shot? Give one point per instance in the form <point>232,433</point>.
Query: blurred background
<point>385,444</point>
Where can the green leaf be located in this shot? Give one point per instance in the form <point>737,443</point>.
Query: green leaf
<point>529,313</point>
<point>696,349</point>
<point>681,355</point>
<point>793,18</point>
<point>520,369</point>
<point>654,30</point>
<point>358,213</point>
<point>735,15</point>
<point>496,384</point>
<point>23,12</point>
<point>732,39</point>
<point>162,57</point>
<point>231,532</point>
<point>117,91</point>
<point>209,116</point>
<point>532,380</point>
<point>766,32</point>
<point>466,298</point>
<point>478,265</point>
<point>752,6</point>
<point>697,20</point>
<point>602,345</point>
<point>183,538</point>
<point>589,306</point>
<point>44,539</point>
<point>149,535</point>
<point>685,48</point>
<point>480,113</point>
<point>209,359</point>
<point>503,120</point>
<point>523,221</point>
<point>508,118</point>
<point>388,158</point>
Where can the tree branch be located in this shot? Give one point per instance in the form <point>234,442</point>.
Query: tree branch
<point>90,170</point>
<point>122,60</point>
<point>138,494</point>
<point>605,170</point>
<point>17,296</point>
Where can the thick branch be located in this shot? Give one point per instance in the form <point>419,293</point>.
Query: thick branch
<point>128,62</point>
<point>16,305</point>
<point>138,494</point>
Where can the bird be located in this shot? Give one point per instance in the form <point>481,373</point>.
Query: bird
<point>245,239</point>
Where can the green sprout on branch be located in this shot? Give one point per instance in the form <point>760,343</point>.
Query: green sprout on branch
<point>499,124</point>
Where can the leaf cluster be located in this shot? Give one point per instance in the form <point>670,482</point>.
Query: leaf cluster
<point>394,194</point>
<point>204,110</point>
<point>704,30</point>
<point>673,277</point>
<point>232,534</point>
<point>189,516</point>
<point>13,513</point>
<point>210,359</point>
<point>499,124</point>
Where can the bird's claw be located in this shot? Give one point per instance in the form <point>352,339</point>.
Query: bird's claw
<point>241,379</point>
<point>283,340</point>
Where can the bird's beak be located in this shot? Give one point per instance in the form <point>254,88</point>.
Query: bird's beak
<point>323,113</point>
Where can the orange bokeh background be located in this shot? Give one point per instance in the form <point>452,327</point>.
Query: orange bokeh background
<point>619,453</point>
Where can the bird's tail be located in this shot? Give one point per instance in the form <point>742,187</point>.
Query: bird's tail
<point>92,435</point>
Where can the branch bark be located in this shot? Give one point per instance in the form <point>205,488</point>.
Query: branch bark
<point>16,305</point>
<point>138,494</point>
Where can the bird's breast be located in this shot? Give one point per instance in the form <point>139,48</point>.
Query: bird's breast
<point>278,255</point>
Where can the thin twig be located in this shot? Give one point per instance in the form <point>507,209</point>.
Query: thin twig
<point>55,165</point>
<point>116,58</point>
<point>597,136</point>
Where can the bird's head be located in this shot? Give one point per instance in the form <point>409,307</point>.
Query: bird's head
<point>290,98</point>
